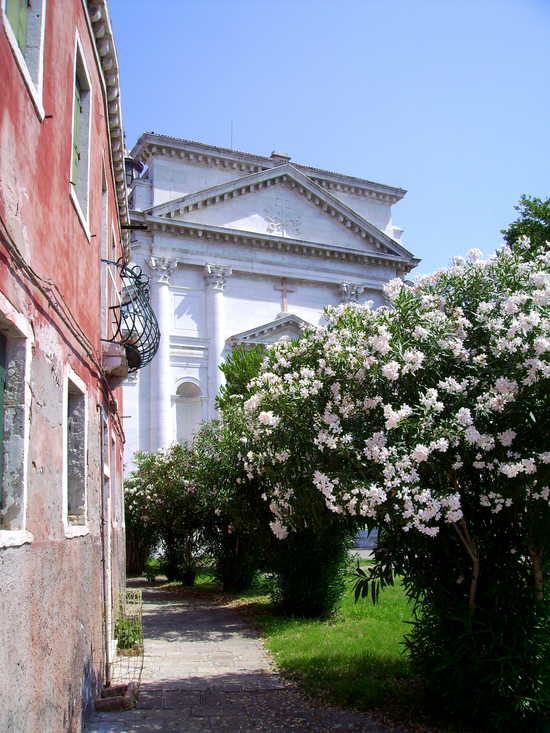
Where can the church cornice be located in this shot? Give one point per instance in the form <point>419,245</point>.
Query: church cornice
<point>209,232</point>
<point>257,334</point>
<point>288,175</point>
<point>151,144</point>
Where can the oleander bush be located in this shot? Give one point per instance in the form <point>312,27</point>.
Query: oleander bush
<point>165,509</point>
<point>426,418</point>
<point>429,418</point>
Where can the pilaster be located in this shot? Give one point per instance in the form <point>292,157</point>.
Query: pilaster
<point>162,433</point>
<point>215,279</point>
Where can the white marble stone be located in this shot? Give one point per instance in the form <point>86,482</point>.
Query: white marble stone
<point>243,249</point>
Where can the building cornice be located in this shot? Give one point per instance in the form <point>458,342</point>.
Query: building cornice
<point>288,175</point>
<point>209,232</point>
<point>150,144</point>
<point>98,13</point>
<point>255,335</point>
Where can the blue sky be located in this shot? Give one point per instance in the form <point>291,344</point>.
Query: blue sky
<point>446,99</point>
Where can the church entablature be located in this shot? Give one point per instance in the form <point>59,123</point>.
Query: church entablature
<point>223,236</point>
<point>189,206</point>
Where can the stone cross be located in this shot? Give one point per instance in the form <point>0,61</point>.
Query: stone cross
<point>284,290</point>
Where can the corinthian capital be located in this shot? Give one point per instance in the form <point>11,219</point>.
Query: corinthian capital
<point>161,268</point>
<point>216,275</point>
<point>350,292</point>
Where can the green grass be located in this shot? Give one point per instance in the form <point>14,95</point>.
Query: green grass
<point>355,659</point>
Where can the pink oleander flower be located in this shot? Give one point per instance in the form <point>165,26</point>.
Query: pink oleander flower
<point>391,371</point>
<point>268,418</point>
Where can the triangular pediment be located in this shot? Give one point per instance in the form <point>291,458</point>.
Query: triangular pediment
<point>280,202</point>
<point>285,326</point>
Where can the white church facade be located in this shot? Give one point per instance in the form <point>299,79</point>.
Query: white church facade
<point>242,248</point>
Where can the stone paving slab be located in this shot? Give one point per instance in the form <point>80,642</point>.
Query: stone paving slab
<point>206,671</point>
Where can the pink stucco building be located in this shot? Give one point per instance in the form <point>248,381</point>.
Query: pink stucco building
<point>68,336</point>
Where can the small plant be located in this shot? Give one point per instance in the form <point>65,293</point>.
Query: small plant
<point>128,631</point>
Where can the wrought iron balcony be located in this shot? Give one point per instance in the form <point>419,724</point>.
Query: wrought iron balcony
<point>134,323</point>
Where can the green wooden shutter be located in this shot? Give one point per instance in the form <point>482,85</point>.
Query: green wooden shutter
<point>76,132</point>
<point>2,391</point>
<point>16,10</point>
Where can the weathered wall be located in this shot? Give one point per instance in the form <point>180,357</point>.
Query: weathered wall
<point>52,632</point>
<point>51,596</point>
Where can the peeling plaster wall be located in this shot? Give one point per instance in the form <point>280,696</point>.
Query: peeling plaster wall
<point>51,595</point>
<point>52,630</point>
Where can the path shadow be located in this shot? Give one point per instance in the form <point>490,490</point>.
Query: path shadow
<point>174,619</point>
<point>230,687</point>
<point>247,703</point>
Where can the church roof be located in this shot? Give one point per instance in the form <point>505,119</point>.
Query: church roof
<point>290,175</point>
<point>260,334</point>
<point>150,143</point>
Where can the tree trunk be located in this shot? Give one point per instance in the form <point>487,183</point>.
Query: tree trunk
<point>137,553</point>
<point>536,554</point>
<point>463,532</point>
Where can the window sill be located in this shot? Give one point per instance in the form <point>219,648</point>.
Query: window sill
<point>78,208</point>
<point>34,92</point>
<point>76,530</point>
<point>15,537</point>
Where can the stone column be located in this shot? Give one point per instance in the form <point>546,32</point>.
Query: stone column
<point>161,377</point>
<point>215,276</point>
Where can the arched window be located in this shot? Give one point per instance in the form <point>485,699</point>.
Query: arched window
<point>188,411</point>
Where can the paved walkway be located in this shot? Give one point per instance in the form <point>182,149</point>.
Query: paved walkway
<point>207,670</point>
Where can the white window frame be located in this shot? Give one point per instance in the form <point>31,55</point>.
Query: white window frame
<point>80,66</point>
<point>16,326</point>
<point>74,530</point>
<point>114,289</point>
<point>34,86</point>
<point>115,506</point>
<point>105,437</point>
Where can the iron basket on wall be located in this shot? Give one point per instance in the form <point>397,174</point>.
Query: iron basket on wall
<point>135,325</point>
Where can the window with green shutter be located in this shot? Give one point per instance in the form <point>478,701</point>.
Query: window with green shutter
<point>17,12</point>
<point>80,152</point>
<point>76,131</point>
